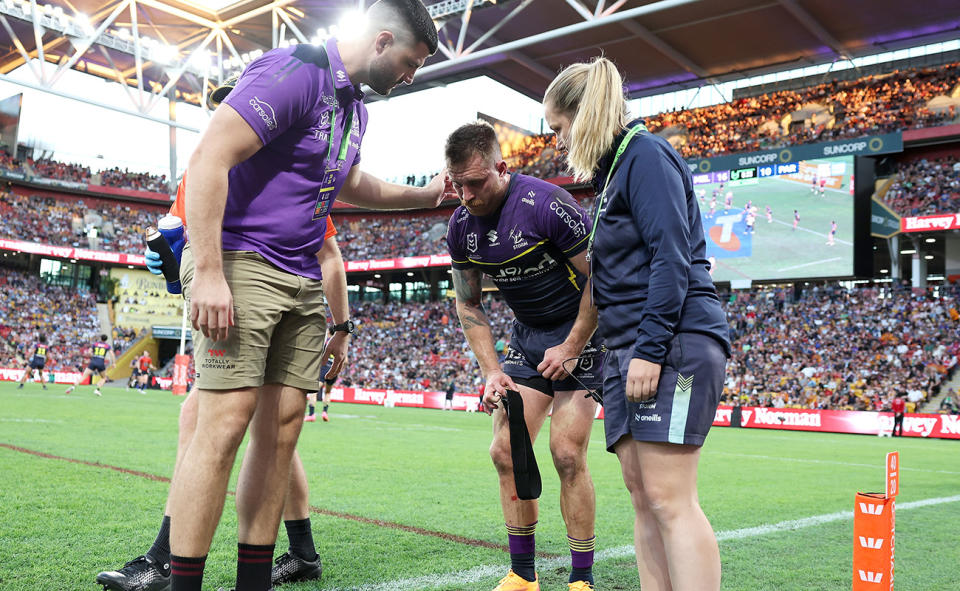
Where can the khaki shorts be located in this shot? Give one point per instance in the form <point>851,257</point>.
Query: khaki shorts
<point>278,335</point>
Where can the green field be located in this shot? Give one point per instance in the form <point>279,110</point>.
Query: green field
<point>386,485</point>
<point>779,252</point>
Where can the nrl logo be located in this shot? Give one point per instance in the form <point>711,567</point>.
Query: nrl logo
<point>472,242</point>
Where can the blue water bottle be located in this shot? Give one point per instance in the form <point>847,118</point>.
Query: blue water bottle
<point>168,241</point>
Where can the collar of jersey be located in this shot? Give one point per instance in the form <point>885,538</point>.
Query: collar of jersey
<point>336,65</point>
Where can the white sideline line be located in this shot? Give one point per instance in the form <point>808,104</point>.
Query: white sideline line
<point>820,234</point>
<point>831,462</point>
<point>493,572</point>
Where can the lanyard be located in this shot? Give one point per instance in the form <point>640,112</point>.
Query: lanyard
<point>603,196</point>
<point>347,128</point>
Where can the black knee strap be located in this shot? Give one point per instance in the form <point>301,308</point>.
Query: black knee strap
<point>526,474</point>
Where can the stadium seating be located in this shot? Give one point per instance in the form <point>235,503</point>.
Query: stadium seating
<point>840,349</point>
<point>825,112</point>
<point>68,221</point>
<point>31,307</point>
<point>925,187</point>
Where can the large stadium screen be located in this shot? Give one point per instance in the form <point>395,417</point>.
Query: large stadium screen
<point>788,220</point>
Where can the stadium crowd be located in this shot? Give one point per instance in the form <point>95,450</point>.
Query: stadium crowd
<point>841,349</point>
<point>925,187</point>
<point>845,109</point>
<point>48,168</point>
<point>828,348</point>
<point>416,346</point>
<point>69,222</point>
<point>362,238</point>
<point>32,308</point>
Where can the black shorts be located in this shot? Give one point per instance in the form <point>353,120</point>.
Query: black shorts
<point>38,362</point>
<point>449,395</point>
<point>97,365</point>
<point>691,381</point>
<point>323,375</point>
<point>527,346</point>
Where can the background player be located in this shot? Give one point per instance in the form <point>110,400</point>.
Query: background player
<point>100,353</point>
<point>769,215</point>
<point>37,362</point>
<point>144,364</point>
<point>530,238</point>
<point>832,234</point>
<point>323,394</point>
<point>796,219</point>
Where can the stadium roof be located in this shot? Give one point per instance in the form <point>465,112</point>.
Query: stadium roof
<point>185,46</point>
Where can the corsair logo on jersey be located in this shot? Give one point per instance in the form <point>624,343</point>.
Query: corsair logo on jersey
<point>265,111</point>
<point>574,220</point>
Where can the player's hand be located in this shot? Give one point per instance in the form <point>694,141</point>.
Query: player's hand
<point>336,346</point>
<point>211,305</point>
<point>553,367</point>
<point>439,189</point>
<point>154,264</point>
<point>642,379</point>
<point>497,385</point>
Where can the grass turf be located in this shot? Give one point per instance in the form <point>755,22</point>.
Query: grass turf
<point>62,522</point>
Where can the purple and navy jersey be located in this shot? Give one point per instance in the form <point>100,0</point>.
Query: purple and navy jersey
<point>525,249</point>
<point>99,350</point>
<point>40,350</point>
<point>298,101</point>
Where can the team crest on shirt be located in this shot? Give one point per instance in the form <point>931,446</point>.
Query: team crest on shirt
<point>472,242</point>
<point>518,240</point>
<point>493,238</point>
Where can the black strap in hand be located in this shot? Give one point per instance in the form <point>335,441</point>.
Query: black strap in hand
<point>526,474</point>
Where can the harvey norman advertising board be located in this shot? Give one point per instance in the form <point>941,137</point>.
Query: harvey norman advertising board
<point>862,146</point>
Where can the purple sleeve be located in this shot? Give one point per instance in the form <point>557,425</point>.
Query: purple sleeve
<point>364,117</point>
<point>458,254</point>
<point>564,222</point>
<point>274,92</point>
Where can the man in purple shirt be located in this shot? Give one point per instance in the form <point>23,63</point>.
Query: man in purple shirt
<point>530,238</point>
<point>261,184</point>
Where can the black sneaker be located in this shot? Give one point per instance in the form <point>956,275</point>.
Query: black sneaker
<point>290,568</point>
<point>143,573</point>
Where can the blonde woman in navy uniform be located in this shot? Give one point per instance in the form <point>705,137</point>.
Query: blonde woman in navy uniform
<point>659,316</point>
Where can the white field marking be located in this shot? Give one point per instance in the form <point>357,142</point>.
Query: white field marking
<point>790,223</point>
<point>25,420</point>
<point>493,572</point>
<point>809,264</point>
<point>831,462</point>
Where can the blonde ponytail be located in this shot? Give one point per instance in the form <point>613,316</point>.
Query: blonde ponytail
<point>592,96</point>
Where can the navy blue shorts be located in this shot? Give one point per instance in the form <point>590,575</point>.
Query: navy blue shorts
<point>97,365</point>
<point>323,374</point>
<point>37,362</point>
<point>691,381</point>
<point>525,352</point>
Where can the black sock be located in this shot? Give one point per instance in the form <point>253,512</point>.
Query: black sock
<point>325,407</point>
<point>312,408</point>
<point>301,538</point>
<point>160,551</point>
<point>186,573</point>
<point>253,567</point>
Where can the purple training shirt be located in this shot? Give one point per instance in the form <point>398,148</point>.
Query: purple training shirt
<point>276,204</point>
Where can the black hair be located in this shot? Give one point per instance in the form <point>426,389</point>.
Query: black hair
<point>415,17</point>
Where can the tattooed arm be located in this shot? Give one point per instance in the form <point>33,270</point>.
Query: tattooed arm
<point>476,328</point>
